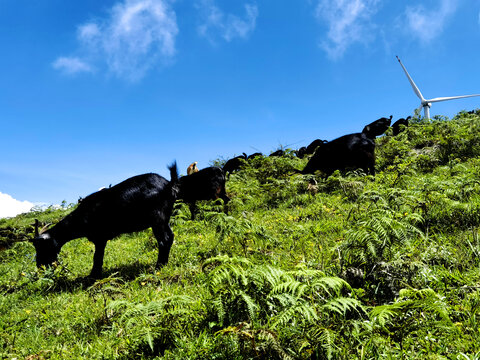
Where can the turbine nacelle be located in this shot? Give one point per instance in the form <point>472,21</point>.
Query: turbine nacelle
<point>426,103</point>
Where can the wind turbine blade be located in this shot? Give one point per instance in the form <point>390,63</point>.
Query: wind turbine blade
<point>451,98</point>
<point>414,87</point>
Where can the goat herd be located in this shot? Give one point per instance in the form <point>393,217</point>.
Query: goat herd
<point>147,200</point>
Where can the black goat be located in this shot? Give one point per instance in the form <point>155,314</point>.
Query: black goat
<point>206,184</point>
<point>346,152</point>
<point>300,153</point>
<point>310,149</point>
<point>277,153</point>
<point>377,128</point>
<point>396,125</point>
<point>314,145</point>
<point>234,164</point>
<point>135,204</point>
<point>254,155</point>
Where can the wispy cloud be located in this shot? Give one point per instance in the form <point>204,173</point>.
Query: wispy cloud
<point>10,207</point>
<point>136,36</point>
<point>348,22</point>
<point>71,65</point>
<point>428,23</point>
<point>228,26</point>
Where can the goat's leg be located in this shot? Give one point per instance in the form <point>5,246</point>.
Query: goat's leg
<point>226,199</point>
<point>193,208</point>
<point>371,167</point>
<point>164,236</point>
<point>98,258</point>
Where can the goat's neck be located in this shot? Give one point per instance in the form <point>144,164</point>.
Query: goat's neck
<point>65,231</point>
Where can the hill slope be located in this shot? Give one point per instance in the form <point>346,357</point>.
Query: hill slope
<point>352,267</point>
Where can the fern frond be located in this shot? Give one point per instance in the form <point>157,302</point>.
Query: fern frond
<point>250,303</point>
<point>291,286</point>
<point>220,309</point>
<point>330,284</point>
<point>302,311</point>
<point>342,304</point>
<point>224,259</point>
<point>373,236</point>
<point>326,340</point>
<point>383,313</point>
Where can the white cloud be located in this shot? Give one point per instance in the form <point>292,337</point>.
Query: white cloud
<point>88,32</point>
<point>10,207</point>
<point>71,65</point>
<point>136,36</point>
<point>227,26</point>
<point>428,23</point>
<point>348,22</point>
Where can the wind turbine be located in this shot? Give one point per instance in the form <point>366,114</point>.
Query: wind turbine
<point>427,103</point>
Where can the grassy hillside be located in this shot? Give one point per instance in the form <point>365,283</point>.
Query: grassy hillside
<point>352,267</point>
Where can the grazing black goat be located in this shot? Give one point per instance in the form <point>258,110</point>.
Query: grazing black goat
<point>234,164</point>
<point>135,204</point>
<point>396,125</point>
<point>279,152</point>
<point>314,145</point>
<point>377,128</point>
<point>254,155</point>
<point>310,149</point>
<point>300,153</point>
<point>346,152</point>
<point>206,184</point>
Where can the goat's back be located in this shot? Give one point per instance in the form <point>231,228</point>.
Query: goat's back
<point>352,150</point>
<point>132,205</point>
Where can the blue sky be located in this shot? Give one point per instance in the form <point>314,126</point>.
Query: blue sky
<point>94,92</point>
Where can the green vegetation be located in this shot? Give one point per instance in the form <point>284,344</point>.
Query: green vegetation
<point>353,267</point>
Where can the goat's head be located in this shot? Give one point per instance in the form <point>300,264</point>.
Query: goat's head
<point>46,247</point>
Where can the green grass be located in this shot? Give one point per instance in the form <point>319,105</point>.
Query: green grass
<point>359,267</point>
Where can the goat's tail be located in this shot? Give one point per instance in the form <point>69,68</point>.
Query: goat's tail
<point>174,181</point>
<point>173,172</point>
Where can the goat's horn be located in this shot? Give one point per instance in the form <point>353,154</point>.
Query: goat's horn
<point>45,228</point>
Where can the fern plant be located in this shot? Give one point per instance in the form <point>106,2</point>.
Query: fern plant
<point>376,236</point>
<point>412,311</point>
<point>256,343</point>
<point>266,297</point>
<point>157,324</point>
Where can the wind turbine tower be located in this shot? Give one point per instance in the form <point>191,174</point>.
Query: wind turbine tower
<point>427,103</point>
